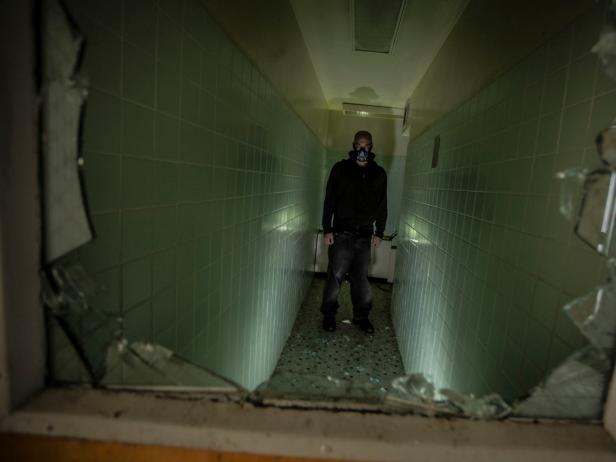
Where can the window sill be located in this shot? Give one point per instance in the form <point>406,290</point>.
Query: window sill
<point>224,423</point>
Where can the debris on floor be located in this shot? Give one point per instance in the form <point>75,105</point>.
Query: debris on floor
<point>349,366</point>
<point>346,363</point>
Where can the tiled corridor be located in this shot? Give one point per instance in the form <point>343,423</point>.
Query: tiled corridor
<point>315,361</point>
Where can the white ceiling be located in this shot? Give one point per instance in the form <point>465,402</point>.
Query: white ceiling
<point>347,75</point>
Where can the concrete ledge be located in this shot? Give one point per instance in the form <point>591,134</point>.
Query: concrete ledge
<point>228,424</point>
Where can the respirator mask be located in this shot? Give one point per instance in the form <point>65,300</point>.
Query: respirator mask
<point>361,154</point>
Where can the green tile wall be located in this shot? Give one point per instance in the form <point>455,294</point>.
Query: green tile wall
<point>485,259</point>
<point>203,186</point>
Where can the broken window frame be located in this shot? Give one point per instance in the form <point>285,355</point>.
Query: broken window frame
<point>67,288</point>
<point>12,415</point>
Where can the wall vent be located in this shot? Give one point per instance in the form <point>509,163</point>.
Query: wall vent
<point>367,110</point>
<point>375,24</point>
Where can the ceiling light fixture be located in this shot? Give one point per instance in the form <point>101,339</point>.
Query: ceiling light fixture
<point>368,110</point>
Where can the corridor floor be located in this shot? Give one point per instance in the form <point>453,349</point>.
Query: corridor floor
<point>347,362</point>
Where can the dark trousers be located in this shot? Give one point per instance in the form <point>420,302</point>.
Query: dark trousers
<point>350,254</point>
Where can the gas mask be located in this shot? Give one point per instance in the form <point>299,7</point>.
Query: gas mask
<point>361,155</point>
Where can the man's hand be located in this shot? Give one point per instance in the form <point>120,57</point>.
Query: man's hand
<point>376,241</point>
<point>328,238</point>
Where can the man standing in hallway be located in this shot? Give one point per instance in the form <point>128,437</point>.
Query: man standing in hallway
<point>354,216</point>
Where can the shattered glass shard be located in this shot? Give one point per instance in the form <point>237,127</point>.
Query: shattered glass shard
<point>571,181</point>
<point>149,365</point>
<point>596,220</point>
<point>414,386</point>
<point>574,390</point>
<point>606,145</point>
<point>606,46</point>
<point>491,406</point>
<point>94,339</point>
<point>67,292</point>
<point>68,287</point>
<point>66,221</point>
<point>417,394</point>
<point>595,316</point>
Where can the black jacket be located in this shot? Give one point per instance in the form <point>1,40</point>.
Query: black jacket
<point>356,198</point>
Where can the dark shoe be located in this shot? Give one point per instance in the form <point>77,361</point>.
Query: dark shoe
<point>329,323</point>
<point>365,325</point>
